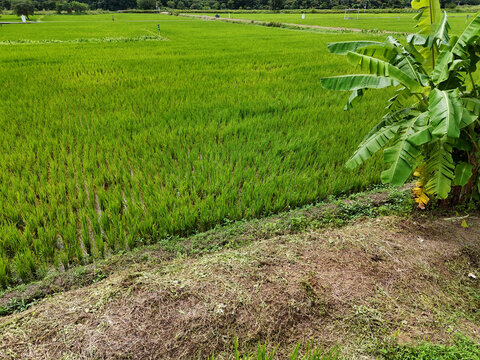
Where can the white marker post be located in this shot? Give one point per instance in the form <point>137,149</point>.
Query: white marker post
<point>24,19</point>
<point>303,16</point>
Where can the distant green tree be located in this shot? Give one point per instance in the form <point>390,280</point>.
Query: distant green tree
<point>146,4</point>
<point>46,5</point>
<point>180,5</point>
<point>276,4</point>
<point>64,6</point>
<point>23,7</point>
<point>78,7</point>
<point>111,5</point>
<point>5,4</point>
<point>171,4</point>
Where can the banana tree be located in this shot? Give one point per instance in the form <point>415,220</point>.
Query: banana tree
<point>430,128</point>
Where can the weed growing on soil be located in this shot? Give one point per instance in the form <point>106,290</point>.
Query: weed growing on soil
<point>462,348</point>
<point>16,305</point>
<point>264,353</point>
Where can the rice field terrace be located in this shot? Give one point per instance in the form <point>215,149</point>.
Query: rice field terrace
<point>113,136</point>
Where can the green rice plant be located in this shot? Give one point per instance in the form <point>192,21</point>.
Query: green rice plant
<point>220,122</point>
<point>4,272</point>
<point>25,265</point>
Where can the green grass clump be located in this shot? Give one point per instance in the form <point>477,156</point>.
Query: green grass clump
<point>264,353</point>
<point>462,348</point>
<point>16,305</point>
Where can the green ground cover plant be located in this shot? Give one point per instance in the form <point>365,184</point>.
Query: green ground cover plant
<point>266,352</point>
<point>461,348</point>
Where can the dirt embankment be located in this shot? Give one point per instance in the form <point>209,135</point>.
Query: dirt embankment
<point>376,280</point>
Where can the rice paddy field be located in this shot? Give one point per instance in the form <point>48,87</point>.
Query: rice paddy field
<point>400,22</point>
<point>113,137</point>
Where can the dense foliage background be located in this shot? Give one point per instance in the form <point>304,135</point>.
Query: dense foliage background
<point>114,5</point>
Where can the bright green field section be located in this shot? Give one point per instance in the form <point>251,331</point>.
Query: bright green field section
<point>68,27</point>
<point>107,145</point>
<point>391,22</point>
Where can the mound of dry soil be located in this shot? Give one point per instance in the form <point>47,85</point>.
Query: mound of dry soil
<point>385,279</point>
